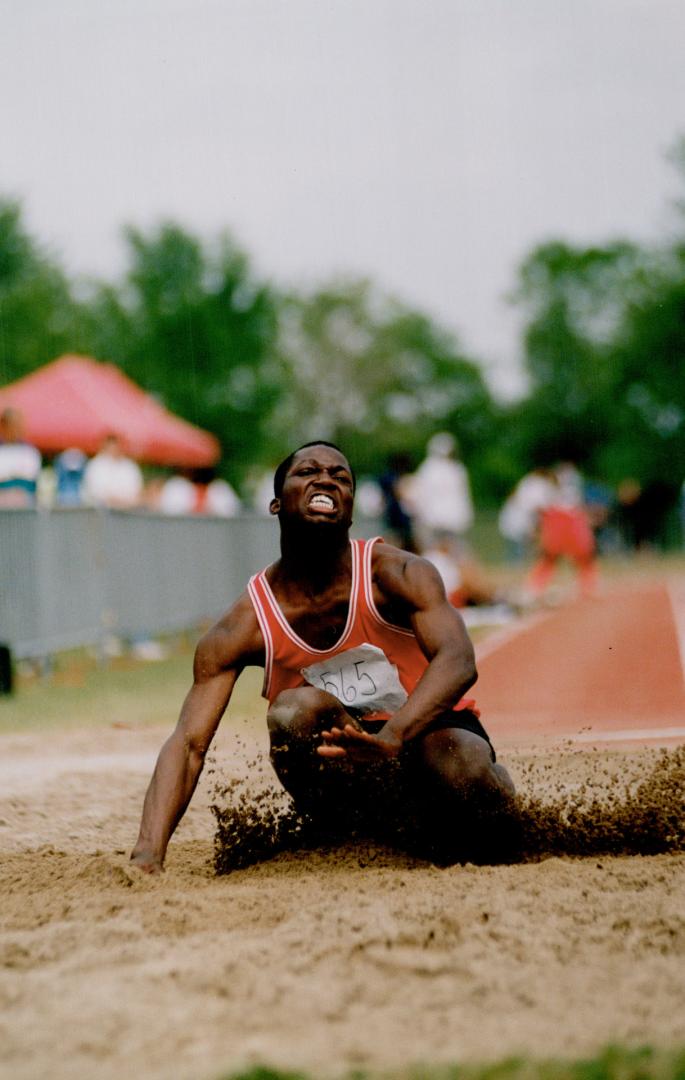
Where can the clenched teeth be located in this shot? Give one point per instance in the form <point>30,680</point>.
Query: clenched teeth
<point>323,501</point>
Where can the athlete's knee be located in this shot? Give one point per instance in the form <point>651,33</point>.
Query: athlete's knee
<point>298,711</point>
<point>459,758</point>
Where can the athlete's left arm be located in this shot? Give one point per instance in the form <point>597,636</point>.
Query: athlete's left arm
<point>414,585</point>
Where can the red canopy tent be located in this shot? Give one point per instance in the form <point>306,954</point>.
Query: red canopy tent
<point>75,402</point>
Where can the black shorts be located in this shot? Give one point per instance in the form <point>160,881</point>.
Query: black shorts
<point>463,719</point>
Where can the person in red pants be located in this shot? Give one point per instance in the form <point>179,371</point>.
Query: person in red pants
<point>565,531</point>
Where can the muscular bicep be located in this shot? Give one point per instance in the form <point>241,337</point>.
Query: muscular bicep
<point>435,622</point>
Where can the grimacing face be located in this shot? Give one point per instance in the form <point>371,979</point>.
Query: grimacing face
<point>318,487</point>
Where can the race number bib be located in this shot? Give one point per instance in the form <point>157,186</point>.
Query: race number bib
<point>361,678</point>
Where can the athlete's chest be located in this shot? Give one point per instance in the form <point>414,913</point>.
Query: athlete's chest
<point>320,620</point>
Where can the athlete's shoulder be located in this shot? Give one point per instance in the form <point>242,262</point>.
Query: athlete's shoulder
<point>401,573</point>
<point>387,556</point>
<point>235,640</point>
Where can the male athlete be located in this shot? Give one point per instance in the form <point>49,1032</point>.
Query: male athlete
<point>365,667</point>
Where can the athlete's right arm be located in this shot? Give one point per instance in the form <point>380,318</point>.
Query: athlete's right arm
<point>220,656</point>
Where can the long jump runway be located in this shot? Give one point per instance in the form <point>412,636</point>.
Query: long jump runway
<point>604,670</point>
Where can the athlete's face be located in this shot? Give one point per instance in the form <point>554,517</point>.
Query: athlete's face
<point>318,487</point>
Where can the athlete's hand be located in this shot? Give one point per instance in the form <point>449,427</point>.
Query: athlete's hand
<point>357,745</point>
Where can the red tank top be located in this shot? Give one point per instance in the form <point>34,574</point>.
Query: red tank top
<point>286,654</point>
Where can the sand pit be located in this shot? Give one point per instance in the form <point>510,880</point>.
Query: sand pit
<point>335,959</point>
<point>321,960</point>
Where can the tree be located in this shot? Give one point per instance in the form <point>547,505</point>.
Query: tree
<point>576,300</point>
<point>192,325</point>
<point>362,369</point>
<point>647,424</point>
<point>38,314</point>
<point>605,350</point>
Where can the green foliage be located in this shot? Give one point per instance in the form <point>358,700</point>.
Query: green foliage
<point>605,350</point>
<point>192,326</point>
<point>576,300</point>
<point>261,1072</point>
<point>613,1063</point>
<point>604,344</point>
<point>648,431</point>
<point>362,369</point>
<point>38,314</point>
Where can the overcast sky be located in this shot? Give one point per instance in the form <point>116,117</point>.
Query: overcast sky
<point>425,143</point>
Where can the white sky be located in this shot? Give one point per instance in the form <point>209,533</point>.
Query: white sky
<point>425,143</point>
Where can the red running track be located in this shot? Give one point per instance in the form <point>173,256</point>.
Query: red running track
<point>612,665</point>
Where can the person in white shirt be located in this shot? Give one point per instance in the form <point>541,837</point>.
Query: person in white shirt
<point>440,494</point>
<point>112,479</point>
<point>19,462</point>
<point>520,515</point>
<point>199,491</point>
<point>220,499</point>
<point>178,495</point>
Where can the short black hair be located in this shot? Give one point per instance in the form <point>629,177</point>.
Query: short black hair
<point>282,469</point>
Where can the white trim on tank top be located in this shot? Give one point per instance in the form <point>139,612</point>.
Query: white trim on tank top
<point>266,634</point>
<point>367,578</point>
<point>351,614</point>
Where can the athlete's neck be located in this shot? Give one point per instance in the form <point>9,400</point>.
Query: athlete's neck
<point>315,555</point>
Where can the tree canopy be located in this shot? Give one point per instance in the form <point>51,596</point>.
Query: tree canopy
<point>191,322</point>
<point>38,315</point>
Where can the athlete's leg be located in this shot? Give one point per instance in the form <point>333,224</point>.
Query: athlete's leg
<point>541,574</point>
<point>462,760</point>
<point>296,719</point>
<point>470,810</point>
<point>586,567</point>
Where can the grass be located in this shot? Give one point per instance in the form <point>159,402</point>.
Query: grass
<point>613,1063</point>
<point>125,693</point>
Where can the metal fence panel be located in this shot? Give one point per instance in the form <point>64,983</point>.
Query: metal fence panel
<point>165,574</point>
<point>71,577</point>
<point>51,580</point>
<point>19,603</point>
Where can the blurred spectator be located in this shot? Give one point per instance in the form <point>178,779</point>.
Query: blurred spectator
<point>69,468</point>
<point>198,491</point>
<point>177,495</point>
<point>647,516</point>
<point>19,462</point>
<point>466,582</point>
<point>111,478</point>
<point>439,493</point>
<point>214,495</point>
<point>628,514</point>
<point>46,488</point>
<point>152,493</point>
<point>565,532</point>
<point>221,500</point>
<point>446,564</point>
<point>519,516</point>
<point>397,518</point>
<point>369,498</point>
<point>600,503</point>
